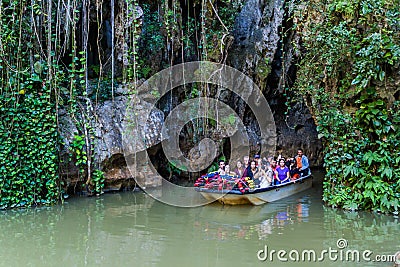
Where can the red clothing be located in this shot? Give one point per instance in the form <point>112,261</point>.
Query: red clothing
<point>298,161</point>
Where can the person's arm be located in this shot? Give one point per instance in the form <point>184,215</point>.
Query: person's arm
<point>269,178</point>
<point>287,176</point>
<point>264,175</point>
<point>256,175</point>
<point>304,163</point>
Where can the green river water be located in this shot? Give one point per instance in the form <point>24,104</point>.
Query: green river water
<point>132,229</point>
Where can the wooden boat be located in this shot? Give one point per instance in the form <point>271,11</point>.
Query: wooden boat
<point>257,196</point>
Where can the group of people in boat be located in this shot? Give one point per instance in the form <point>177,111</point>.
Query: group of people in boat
<point>268,171</point>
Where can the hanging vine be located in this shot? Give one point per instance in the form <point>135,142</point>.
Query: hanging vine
<point>47,51</point>
<point>28,104</point>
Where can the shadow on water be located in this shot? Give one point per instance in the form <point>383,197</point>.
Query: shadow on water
<point>132,229</point>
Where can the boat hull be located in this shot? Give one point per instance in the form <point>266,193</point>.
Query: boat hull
<point>259,196</point>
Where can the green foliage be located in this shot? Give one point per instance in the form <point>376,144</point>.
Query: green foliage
<point>98,181</point>
<point>78,150</point>
<point>151,41</point>
<point>28,150</point>
<point>194,93</point>
<point>101,90</point>
<point>28,111</point>
<point>144,70</point>
<point>217,25</point>
<point>33,84</point>
<point>173,169</point>
<point>228,10</point>
<point>346,78</point>
<point>230,120</point>
<point>79,154</point>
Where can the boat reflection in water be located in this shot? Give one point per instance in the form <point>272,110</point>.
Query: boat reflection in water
<point>133,229</point>
<point>247,222</point>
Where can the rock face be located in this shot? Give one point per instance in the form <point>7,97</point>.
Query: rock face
<point>108,122</point>
<point>257,36</point>
<point>257,52</point>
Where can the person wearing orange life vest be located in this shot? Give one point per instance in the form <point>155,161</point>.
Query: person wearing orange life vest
<point>303,167</point>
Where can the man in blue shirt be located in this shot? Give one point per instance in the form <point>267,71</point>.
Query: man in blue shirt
<point>303,166</point>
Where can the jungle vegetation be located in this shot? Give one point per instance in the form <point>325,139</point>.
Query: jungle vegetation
<point>59,55</point>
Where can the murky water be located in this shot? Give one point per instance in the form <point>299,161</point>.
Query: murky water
<point>132,229</point>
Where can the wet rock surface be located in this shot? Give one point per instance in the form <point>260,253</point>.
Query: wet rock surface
<point>255,49</point>
<point>257,52</point>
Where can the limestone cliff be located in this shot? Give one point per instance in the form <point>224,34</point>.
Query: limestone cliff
<point>252,36</point>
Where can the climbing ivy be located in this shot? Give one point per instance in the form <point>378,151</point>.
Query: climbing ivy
<point>28,151</point>
<point>28,115</point>
<point>348,77</point>
<point>78,152</point>
<point>34,83</point>
<point>28,145</point>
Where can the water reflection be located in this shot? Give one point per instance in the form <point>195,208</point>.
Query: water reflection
<point>246,222</point>
<point>363,231</point>
<point>132,229</point>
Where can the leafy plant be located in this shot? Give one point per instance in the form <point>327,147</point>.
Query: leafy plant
<point>345,78</point>
<point>78,150</point>
<point>98,181</point>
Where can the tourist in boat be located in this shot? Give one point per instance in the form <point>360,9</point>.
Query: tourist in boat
<point>259,176</point>
<point>246,160</point>
<point>273,167</point>
<point>221,169</point>
<point>254,173</point>
<point>291,164</point>
<point>282,173</point>
<point>258,160</point>
<point>248,171</point>
<point>239,170</point>
<point>265,176</point>
<point>269,173</point>
<point>281,158</point>
<point>303,167</point>
<point>247,168</point>
<point>228,171</point>
<point>273,164</point>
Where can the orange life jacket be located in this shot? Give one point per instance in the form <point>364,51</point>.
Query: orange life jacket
<point>298,160</point>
